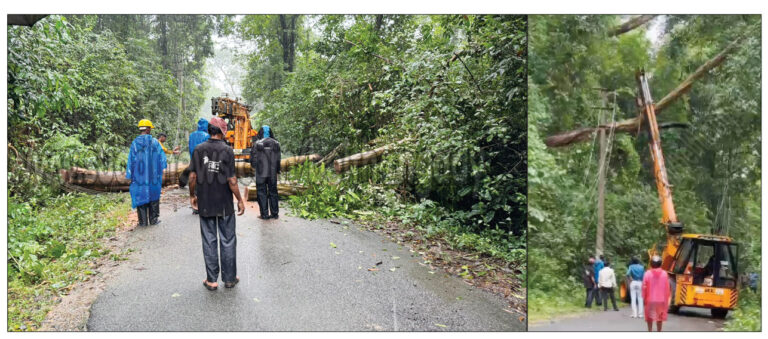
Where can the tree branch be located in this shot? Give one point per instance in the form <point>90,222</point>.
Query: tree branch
<point>631,24</point>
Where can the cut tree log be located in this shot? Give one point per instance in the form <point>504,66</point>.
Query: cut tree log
<point>633,125</point>
<point>115,181</point>
<point>283,190</point>
<point>361,159</point>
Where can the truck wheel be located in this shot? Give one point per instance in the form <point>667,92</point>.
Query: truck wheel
<point>719,313</point>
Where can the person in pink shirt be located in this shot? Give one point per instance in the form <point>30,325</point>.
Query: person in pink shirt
<point>656,294</point>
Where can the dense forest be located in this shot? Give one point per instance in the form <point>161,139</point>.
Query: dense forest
<point>448,90</point>
<point>582,73</point>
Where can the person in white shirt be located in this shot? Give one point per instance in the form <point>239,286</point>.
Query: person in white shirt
<point>607,283</point>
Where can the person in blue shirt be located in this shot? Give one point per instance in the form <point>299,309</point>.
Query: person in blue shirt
<point>635,273</point>
<point>195,138</point>
<point>199,136</point>
<point>599,264</point>
<point>146,162</point>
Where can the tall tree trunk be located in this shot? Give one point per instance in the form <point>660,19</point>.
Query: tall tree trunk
<point>287,38</point>
<point>632,24</point>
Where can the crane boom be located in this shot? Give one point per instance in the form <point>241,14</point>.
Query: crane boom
<point>668,216</point>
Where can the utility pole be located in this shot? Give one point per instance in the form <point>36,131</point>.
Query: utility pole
<point>601,195</point>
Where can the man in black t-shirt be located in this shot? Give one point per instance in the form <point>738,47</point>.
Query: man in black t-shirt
<point>212,182</point>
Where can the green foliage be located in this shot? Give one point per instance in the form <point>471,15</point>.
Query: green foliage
<point>78,84</point>
<point>377,79</point>
<point>712,165</point>
<point>50,248</point>
<point>747,316</point>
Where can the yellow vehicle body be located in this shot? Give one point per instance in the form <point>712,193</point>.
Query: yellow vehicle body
<point>240,133</point>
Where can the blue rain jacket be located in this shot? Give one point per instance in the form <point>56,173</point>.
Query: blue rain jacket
<point>146,162</point>
<point>199,136</point>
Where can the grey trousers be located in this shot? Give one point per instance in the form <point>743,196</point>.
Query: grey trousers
<point>225,227</point>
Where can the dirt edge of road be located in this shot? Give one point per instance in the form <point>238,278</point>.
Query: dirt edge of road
<point>73,309</point>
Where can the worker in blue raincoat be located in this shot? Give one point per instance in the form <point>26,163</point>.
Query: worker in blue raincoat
<point>146,162</point>
<point>199,136</point>
<point>196,138</point>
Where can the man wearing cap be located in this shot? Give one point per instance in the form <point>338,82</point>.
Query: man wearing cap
<point>212,183</point>
<point>146,162</point>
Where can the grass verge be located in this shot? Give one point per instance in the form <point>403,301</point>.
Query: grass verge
<point>747,316</point>
<point>51,248</point>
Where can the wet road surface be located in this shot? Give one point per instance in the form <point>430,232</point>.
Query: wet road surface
<point>688,319</point>
<point>292,279</point>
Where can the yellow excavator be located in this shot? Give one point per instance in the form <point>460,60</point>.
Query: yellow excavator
<point>239,131</point>
<point>702,268</point>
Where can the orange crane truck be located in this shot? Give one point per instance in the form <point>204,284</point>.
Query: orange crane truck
<point>240,133</point>
<point>702,268</point>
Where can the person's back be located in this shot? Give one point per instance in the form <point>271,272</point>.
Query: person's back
<point>214,162</point>
<point>265,158</point>
<point>265,162</point>
<point>656,286</point>
<point>146,161</point>
<point>636,272</point>
<point>199,136</point>
<point>607,278</point>
<point>599,264</point>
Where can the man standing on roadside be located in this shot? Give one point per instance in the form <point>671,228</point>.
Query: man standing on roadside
<point>599,264</point>
<point>635,273</point>
<point>146,162</point>
<point>212,182</point>
<point>588,276</point>
<point>607,284</point>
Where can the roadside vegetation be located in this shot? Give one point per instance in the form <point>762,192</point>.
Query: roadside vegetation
<point>51,248</point>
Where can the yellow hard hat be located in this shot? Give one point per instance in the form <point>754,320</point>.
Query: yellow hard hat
<point>145,123</point>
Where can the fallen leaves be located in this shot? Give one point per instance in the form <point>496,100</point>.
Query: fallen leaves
<point>333,245</point>
<point>175,295</point>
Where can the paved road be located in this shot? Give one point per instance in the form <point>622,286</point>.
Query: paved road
<point>688,319</point>
<point>292,279</point>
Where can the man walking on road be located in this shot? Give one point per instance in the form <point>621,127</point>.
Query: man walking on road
<point>265,161</point>
<point>588,277</point>
<point>635,273</point>
<point>656,294</point>
<point>607,284</point>
<point>146,162</point>
<point>212,182</point>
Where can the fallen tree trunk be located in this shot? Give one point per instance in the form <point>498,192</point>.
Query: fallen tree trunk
<point>366,158</point>
<point>632,24</point>
<point>633,125</point>
<point>283,190</point>
<point>115,181</point>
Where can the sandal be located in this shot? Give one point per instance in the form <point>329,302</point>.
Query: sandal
<point>232,284</point>
<point>209,287</point>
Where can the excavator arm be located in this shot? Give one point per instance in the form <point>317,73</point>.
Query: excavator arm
<point>668,216</point>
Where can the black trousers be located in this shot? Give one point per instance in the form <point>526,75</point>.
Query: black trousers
<point>266,194</point>
<point>606,292</point>
<point>149,213</point>
<point>592,294</point>
<point>225,227</point>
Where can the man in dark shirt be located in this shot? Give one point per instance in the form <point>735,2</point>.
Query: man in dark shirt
<point>265,161</point>
<point>212,182</point>
<point>588,277</point>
